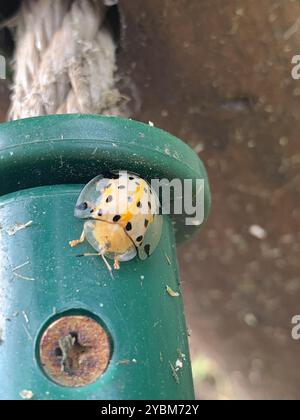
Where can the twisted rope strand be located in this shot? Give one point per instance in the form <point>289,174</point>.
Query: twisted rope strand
<point>65,60</point>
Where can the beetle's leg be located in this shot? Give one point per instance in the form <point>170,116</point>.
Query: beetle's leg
<point>117,263</point>
<point>78,241</point>
<point>97,255</point>
<point>107,265</point>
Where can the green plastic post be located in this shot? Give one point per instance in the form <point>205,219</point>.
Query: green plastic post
<point>44,163</point>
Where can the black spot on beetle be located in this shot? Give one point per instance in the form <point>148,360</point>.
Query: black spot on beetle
<point>139,204</point>
<point>130,199</point>
<point>139,238</point>
<point>82,206</point>
<point>147,249</point>
<point>149,205</point>
<point>128,227</point>
<point>121,187</point>
<point>116,218</point>
<point>109,199</point>
<point>100,213</point>
<point>131,178</point>
<point>146,223</point>
<point>115,176</point>
<point>107,186</point>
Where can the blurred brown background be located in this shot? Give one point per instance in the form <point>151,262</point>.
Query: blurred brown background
<point>218,75</point>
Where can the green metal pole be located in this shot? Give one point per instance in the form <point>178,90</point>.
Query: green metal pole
<point>44,163</point>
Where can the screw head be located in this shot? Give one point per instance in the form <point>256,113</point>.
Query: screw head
<point>75,351</point>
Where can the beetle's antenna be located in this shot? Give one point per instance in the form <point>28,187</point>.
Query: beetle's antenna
<point>88,255</point>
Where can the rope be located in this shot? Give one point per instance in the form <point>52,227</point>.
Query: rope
<point>65,60</point>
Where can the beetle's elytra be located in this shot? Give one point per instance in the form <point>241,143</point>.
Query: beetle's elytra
<point>122,217</point>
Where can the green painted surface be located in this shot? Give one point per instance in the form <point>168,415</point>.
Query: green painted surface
<point>73,149</point>
<point>40,161</point>
<point>146,324</point>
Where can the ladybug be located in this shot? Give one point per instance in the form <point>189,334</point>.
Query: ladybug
<point>122,217</point>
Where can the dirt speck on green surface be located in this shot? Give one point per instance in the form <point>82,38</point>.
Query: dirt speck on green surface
<point>26,395</point>
<point>174,373</point>
<point>172,292</point>
<point>13,230</point>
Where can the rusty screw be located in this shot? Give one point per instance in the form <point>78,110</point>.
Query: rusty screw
<point>75,351</point>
